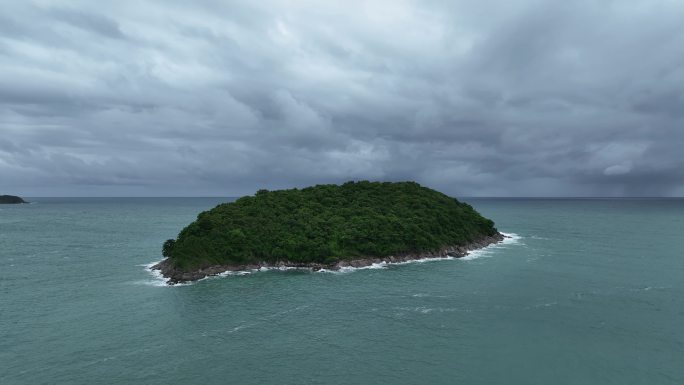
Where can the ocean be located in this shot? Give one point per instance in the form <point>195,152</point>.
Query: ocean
<point>586,291</point>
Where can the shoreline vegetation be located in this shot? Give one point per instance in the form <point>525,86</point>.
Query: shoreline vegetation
<point>176,275</point>
<point>331,227</point>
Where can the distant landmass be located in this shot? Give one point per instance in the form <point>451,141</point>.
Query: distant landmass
<point>11,199</point>
<point>326,227</point>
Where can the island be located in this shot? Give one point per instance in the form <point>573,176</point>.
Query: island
<point>11,199</point>
<point>329,226</point>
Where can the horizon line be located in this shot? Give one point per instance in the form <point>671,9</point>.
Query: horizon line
<point>458,197</point>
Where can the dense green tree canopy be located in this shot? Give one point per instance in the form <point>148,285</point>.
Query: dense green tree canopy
<point>326,223</point>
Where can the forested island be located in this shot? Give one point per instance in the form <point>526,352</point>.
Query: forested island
<point>11,199</point>
<point>326,226</point>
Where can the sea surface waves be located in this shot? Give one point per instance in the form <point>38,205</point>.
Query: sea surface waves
<point>586,291</point>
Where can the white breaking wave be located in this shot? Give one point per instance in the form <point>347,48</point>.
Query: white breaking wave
<point>383,265</point>
<point>510,239</point>
<point>158,279</point>
<point>428,310</point>
<point>262,268</point>
<point>348,269</point>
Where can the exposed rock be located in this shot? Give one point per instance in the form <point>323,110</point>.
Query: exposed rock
<point>175,275</point>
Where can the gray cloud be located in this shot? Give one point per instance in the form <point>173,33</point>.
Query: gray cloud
<point>523,98</point>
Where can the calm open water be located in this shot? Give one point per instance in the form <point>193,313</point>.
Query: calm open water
<point>590,292</point>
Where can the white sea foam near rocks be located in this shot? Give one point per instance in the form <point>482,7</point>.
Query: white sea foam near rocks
<point>510,239</point>
<point>374,266</point>
<point>486,252</point>
<point>157,279</point>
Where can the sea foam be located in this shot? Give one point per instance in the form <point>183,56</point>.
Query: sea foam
<point>509,239</point>
<point>158,279</point>
<point>486,252</point>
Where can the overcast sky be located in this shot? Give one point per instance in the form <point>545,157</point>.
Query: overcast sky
<point>221,98</point>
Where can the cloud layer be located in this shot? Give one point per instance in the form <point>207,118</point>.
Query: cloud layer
<point>488,98</point>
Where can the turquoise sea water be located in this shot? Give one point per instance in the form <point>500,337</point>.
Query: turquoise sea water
<point>589,292</point>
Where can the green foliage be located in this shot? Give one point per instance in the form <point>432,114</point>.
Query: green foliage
<point>326,223</point>
<point>168,246</point>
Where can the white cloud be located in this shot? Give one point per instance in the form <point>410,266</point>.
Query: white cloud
<point>618,169</point>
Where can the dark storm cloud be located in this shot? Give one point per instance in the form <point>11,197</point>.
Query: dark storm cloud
<point>222,98</point>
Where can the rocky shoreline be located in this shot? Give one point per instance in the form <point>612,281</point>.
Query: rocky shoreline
<point>175,275</point>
